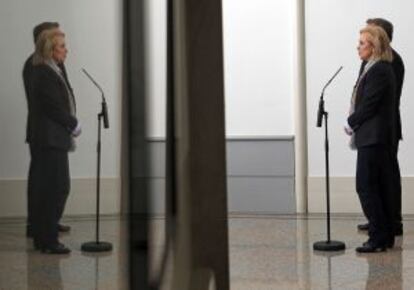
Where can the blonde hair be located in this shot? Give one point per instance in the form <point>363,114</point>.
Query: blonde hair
<point>45,45</point>
<point>380,41</point>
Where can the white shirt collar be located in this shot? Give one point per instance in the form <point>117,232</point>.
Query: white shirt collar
<point>54,66</point>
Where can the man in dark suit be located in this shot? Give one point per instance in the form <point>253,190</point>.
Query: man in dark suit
<point>373,123</point>
<point>27,80</point>
<point>398,69</point>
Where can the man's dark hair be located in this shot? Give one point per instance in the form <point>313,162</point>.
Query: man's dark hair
<point>384,24</point>
<point>38,29</point>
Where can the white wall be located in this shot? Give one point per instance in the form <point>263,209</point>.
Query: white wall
<point>258,69</point>
<point>332,31</point>
<point>156,66</point>
<point>94,38</point>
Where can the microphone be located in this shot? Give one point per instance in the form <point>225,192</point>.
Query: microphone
<point>321,109</point>
<point>334,76</point>
<point>320,113</point>
<point>105,115</point>
<point>104,111</point>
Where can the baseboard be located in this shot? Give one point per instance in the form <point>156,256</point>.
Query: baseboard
<point>344,198</point>
<point>81,201</point>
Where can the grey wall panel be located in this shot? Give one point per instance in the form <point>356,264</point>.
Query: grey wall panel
<point>266,195</point>
<point>260,175</point>
<point>156,152</point>
<point>157,191</point>
<point>260,158</point>
<point>157,157</point>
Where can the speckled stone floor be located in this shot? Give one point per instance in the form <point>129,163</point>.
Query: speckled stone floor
<point>21,267</point>
<point>277,253</point>
<point>266,253</point>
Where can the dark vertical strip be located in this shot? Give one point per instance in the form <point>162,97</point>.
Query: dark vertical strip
<point>171,152</point>
<point>201,243</point>
<point>170,167</point>
<point>206,118</point>
<point>134,70</point>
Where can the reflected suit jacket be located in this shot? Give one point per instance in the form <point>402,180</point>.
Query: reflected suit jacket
<point>52,118</point>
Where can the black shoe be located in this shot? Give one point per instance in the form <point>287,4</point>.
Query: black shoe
<point>371,248</point>
<point>363,227</point>
<point>63,228</point>
<point>389,244</point>
<point>57,249</point>
<point>399,231</point>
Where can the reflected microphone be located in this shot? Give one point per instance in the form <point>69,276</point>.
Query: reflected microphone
<point>104,106</point>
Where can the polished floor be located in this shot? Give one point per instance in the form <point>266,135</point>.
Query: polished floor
<point>266,253</point>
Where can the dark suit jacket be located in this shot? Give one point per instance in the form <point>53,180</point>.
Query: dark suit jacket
<point>28,87</point>
<point>27,81</point>
<point>51,117</point>
<point>399,71</point>
<point>374,119</point>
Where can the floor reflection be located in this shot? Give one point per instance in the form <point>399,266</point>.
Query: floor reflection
<point>328,256</point>
<point>44,272</point>
<point>385,271</point>
<point>266,252</point>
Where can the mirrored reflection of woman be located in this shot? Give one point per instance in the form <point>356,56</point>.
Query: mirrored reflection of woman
<point>54,129</point>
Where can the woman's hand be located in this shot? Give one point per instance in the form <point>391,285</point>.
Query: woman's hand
<point>348,130</point>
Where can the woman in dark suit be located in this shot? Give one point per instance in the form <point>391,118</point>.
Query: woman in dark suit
<point>54,129</point>
<point>373,124</point>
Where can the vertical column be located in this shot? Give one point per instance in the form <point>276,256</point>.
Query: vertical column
<point>300,116</point>
<point>201,244</point>
<point>136,169</point>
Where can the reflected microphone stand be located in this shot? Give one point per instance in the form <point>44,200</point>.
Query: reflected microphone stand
<point>329,257</point>
<point>97,245</point>
<point>327,245</point>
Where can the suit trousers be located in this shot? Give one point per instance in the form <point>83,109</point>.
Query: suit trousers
<point>30,186</point>
<point>51,185</point>
<point>397,190</point>
<point>374,182</point>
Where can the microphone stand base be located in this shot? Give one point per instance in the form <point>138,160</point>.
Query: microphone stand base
<point>96,247</point>
<point>329,246</point>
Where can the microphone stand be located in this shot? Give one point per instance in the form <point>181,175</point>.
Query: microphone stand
<point>97,245</point>
<point>327,245</point>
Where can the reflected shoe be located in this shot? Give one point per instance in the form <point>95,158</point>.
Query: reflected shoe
<point>36,245</point>
<point>63,228</point>
<point>58,249</point>
<point>370,248</point>
<point>29,231</point>
<point>363,227</point>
